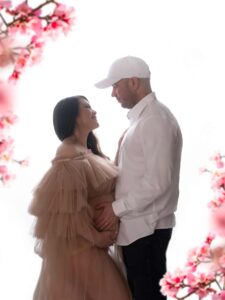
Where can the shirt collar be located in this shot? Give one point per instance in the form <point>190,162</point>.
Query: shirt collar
<point>135,112</point>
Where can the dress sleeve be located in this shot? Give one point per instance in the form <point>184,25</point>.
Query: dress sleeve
<point>63,215</point>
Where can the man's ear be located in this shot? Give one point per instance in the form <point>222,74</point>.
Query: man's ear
<point>134,83</point>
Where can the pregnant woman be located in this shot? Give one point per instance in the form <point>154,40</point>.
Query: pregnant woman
<point>76,261</point>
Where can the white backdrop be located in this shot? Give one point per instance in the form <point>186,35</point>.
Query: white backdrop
<point>183,42</point>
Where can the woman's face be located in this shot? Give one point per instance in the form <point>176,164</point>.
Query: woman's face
<point>87,116</point>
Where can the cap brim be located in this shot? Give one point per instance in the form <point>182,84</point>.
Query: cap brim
<point>105,83</point>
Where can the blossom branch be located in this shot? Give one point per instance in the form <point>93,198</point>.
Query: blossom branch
<point>25,17</point>
<point>3,20</point>
<point>37,27</point>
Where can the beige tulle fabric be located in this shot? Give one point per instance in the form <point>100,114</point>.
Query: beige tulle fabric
<point>74,267</point>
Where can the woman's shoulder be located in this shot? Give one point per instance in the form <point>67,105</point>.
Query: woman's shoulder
<point>68,151</point>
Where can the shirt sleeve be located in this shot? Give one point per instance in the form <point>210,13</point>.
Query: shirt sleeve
<point>160,145</point>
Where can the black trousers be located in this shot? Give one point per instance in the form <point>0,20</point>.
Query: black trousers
<point>145,261</point>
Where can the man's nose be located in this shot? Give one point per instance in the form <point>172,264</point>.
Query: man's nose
<point>113,94</point>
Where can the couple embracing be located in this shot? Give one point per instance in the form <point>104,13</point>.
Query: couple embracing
<point>86,203</point>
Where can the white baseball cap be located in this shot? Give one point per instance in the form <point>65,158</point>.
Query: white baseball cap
<point>125,67</point>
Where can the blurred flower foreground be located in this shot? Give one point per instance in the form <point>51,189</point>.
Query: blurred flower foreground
<point>24,31</point>
<point>204,273</point>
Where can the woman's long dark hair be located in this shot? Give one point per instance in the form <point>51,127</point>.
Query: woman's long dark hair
<point>65,114</point>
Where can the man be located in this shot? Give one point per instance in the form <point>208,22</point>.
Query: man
<point>148,184</point>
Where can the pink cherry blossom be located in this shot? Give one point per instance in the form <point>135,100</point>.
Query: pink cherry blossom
<point>218,159</point>
<point>199,279</point>
<point>3,170</point>
<point>5,4</point>
<point>35,24</point>
<point>15,76</point>
<point>3,146</point>
<point>23,8</point>
<point>6,178</point>
<point>5,56</point>
<point>217,201</point>
<point>218,220</point>
<point>220,164</point>
<point>219,296</point>
<point>200,254</point>
<point>218,180</point>
<point>171,283</point>
<point>209,239</point>
<point>5,99</point>
<point>216,156</point>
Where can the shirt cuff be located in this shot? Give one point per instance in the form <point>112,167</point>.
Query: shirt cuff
<point>119,207</point>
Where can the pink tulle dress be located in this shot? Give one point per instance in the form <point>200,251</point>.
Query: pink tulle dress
<point>73,266</point>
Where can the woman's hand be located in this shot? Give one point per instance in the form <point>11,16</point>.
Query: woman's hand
<point>106,218</point>
<point>99,211</point>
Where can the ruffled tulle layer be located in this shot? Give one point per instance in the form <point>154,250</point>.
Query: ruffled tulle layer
<point>73,266</point>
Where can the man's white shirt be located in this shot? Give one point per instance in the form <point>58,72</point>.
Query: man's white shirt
<point>147,189</point>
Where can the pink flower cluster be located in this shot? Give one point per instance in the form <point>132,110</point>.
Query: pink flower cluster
<point>7,119</point>
<point>24,31</point>
<point>33,23</point>
<point>217,204</point>
<point>204,272</point>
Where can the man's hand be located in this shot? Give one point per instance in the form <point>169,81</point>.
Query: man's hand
<point>106,239</point>
<point>106,218</point>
